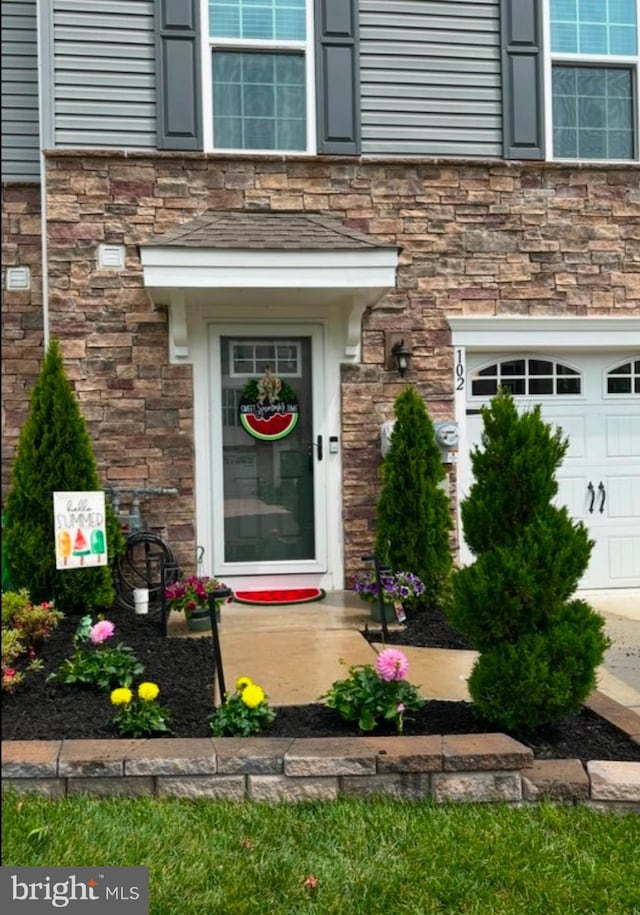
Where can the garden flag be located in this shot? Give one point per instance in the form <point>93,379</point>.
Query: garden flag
<point>79,529</point>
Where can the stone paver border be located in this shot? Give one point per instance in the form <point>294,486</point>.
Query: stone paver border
<point>485,768</point>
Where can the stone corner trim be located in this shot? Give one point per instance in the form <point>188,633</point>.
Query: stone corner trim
<point>487,768</point>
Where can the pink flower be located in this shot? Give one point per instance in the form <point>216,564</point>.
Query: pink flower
<point>400,708</point>
<point>392,664</point>
<point>101,631</point>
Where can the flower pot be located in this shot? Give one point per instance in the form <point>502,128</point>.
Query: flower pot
<point>198,620</point>
<point>390,614</point>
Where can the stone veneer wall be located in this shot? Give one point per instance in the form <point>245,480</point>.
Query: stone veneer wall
<point>22,319</point>
<point>488,768</point>
<point>476,238</point>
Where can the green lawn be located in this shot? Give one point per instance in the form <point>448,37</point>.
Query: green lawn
<point>368,857</point>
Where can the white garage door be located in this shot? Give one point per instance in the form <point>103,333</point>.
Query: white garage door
<point>595,400</point>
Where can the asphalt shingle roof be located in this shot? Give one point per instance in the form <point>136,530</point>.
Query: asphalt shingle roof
<point>266,231</point>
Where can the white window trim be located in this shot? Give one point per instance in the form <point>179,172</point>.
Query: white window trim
<point>553,396</point>
<point>605,380</point>
<point>632,62</point>
<point>209,44</point>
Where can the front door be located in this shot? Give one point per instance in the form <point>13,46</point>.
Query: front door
<point>268,449</point>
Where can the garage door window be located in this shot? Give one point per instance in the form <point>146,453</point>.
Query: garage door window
<point>624,378</point>
<point>526,376</point>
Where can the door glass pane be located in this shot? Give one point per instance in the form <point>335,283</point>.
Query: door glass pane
<point>268,485</point>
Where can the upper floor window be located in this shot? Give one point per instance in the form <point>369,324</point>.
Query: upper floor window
<point>261,66</point>
<point>526,377</point>
<point>594,66</point>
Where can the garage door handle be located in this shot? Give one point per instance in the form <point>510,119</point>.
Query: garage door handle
<point>602,490</point>
<point>592,493</point>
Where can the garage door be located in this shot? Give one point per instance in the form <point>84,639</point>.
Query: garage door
<point>595,400</point>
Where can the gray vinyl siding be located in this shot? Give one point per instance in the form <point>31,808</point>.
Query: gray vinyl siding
<point>20,131</point>
<point>104,74</point>
<point>430,77</point>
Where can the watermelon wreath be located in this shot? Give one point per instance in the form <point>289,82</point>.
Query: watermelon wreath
<point>268,408</point>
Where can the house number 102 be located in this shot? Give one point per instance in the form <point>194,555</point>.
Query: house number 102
<point>459,371</point>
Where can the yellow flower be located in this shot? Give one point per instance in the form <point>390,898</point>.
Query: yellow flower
<point>242,683</point>
<point>253,695</point>
<point>148,691</point>
<point>121,696</point>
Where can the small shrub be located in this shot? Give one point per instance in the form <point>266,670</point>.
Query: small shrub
<point>97,665</point>
<point>539,649</point>
<point>139,715</point>
<point>54,454</point>
<point>24,627</point>
<point>413,515</point>
<point>373,693</point>
<point>243,712</point>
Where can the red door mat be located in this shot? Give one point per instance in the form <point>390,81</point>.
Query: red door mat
<point>277,596</point>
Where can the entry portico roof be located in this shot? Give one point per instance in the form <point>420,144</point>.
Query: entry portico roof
<point>259,230</point>
<point>298,260</point>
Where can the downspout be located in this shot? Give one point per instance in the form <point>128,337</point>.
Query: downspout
<point>45,114</point>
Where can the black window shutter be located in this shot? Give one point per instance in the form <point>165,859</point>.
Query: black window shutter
<point>522,104</point>
<point>178,87</point>
<point>337,76</point>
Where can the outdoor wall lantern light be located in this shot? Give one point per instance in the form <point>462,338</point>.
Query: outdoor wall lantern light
<point>402,356</point>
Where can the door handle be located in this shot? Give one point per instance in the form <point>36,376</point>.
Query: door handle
<point>603,492</point>
<point>592,493</point>
<point>317,444</point>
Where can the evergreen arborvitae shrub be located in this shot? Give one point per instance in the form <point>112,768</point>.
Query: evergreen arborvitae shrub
<point>539,648</point>
<point>54,455</point>
<point>413,512</point>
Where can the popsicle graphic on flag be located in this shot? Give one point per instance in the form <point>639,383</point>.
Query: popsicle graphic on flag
<point>80,546</point>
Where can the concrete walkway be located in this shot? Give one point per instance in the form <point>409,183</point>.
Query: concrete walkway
<point>295,652</point>
<point>619,676</point>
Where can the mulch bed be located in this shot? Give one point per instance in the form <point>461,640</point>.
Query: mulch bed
<point>41,710</point>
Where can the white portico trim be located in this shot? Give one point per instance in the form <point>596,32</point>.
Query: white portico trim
<point>352,280</point>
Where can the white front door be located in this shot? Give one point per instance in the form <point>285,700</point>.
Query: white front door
<point>595,400</point>
<point>269,450</point>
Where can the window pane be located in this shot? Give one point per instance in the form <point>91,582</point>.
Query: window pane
<point>491,370</point>
<point>566,112</point>
<point>593,26</point>
<point>540,367</point>
<point>565,370</point>
<point>484,387</point>
<point>516,385</point>
<point>568,386</point>
<point>541,386</point>
<point>601,100</point>
<point>265,356</point>
<point>621,369</point>
<point>622,40</point>
<point>268,19</point>
<point>259,100</point>
<point>619,385</point>
<point>592,40</point>
<point>513,367</point>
